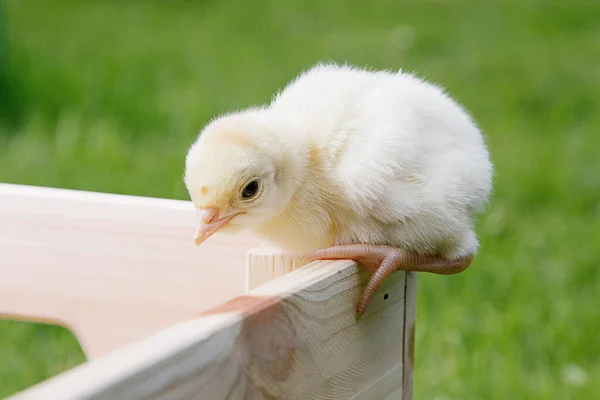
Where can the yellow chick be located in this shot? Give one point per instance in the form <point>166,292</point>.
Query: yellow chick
<point>379,167</point>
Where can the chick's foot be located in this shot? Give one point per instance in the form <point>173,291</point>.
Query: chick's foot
<point>381,261</point>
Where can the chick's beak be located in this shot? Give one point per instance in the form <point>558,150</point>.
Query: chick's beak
<point>209,223</point>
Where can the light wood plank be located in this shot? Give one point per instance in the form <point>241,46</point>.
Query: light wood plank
<point>295,337</point>
<point>112,268</point>
<point>266,263</point>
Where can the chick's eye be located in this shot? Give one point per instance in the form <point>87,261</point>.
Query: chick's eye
<point>250,190</point>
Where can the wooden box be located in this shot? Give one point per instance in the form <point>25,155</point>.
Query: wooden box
<point>159,318</point>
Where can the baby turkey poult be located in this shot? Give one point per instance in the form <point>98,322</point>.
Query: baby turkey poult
<point>378,167</point>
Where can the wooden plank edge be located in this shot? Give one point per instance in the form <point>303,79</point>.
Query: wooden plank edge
<point>94,377</point>
<point>410,298</point>
<point>14,189</point>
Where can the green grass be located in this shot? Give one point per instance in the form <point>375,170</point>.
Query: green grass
<point>107,96</point>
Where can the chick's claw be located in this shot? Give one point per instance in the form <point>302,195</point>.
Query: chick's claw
<point>382,261</point>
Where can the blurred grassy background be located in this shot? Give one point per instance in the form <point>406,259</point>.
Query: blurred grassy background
<point>106,96</point>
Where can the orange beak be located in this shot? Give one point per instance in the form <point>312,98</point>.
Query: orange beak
<point>209,223</point>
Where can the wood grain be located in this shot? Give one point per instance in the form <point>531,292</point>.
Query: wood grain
<point>266,263</point>
<point>295,337</point>
<point>111,268</point>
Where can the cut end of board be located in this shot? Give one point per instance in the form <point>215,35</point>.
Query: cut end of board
<point>265,263</point>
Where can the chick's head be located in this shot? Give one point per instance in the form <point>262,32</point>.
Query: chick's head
<point>235,176</point>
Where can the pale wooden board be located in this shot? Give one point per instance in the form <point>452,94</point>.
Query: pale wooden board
<point>295,337</point>
<point>266,263</point>
<point>112,268</point>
